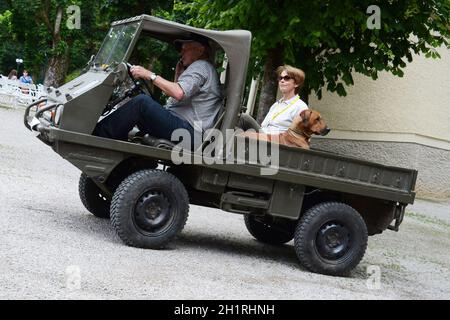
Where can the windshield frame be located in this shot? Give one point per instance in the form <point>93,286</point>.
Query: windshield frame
<point>101,64</point>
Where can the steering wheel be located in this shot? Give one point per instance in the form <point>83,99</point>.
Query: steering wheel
<point>138,87</point>
<point>141,84</point>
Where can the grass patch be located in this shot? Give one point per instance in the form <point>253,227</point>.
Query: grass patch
<point>395,267</point>
<point>5,147</point>
<point>428,220</point>
<point>430,199</point>
<point>5,107</point>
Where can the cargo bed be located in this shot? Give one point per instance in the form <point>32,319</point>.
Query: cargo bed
<point>307,167</point>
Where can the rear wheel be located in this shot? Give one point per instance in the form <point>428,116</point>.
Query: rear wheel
<point>93,198</point>
<point>331,238</point>
<point>149,209</point>
<point>266,232</point>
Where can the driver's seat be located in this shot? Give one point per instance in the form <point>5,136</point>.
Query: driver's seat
<point>137,136</point>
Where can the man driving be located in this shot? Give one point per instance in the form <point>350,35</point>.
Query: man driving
<point>194,99</point>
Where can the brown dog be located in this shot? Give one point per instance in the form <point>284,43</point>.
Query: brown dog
<point>305,124</point>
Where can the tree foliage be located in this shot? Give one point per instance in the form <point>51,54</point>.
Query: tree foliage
<point>330,39</point>
<point>31,30</point>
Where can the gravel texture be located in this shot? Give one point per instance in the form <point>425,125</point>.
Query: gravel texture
<point>52,248</point>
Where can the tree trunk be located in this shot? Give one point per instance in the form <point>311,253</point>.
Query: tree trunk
<point>307,56</point>
<point>270,82</point>
<point>58,64</point>
<point>56,71</point>
<point>304,95</point>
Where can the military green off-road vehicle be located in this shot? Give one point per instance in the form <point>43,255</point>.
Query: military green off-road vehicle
<point>328,204</point>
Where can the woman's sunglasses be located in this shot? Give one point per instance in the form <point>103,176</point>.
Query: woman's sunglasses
<point>285,78</point>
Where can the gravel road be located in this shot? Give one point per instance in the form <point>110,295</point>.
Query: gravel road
<point>52,248</point>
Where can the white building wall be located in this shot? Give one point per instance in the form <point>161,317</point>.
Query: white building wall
<point>398,121</point>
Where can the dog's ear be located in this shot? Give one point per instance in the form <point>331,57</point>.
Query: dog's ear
<point>305,115</point>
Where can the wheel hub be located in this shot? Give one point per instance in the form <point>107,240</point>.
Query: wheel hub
<point>152,211</point>
<point>333,240</point>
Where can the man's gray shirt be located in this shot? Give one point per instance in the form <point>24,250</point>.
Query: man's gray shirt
<point>202,96</point>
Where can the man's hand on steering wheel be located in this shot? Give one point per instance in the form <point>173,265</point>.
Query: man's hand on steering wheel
<point>140,73</point>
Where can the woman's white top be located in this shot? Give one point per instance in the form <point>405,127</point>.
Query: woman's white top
<point>281,114</point>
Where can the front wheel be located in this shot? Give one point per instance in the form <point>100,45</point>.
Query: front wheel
<point>93,198</point>
<point>149,209</point>
<point>331,238</point>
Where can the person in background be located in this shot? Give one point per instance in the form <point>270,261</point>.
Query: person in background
<point>13,75</point>
<point>25,78</point>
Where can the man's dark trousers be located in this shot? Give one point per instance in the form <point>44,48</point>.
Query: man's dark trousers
<point>149,116</point>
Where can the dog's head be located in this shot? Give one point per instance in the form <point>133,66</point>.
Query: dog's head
<point>312,122</point>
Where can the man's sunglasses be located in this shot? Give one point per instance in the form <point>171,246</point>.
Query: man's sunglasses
<point>285,78</point>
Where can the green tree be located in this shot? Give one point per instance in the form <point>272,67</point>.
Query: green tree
<point>39,34</point>
<point>46,44</point>
<point>7,45</point>
<point>328,39</point>
<point>120,9</point>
